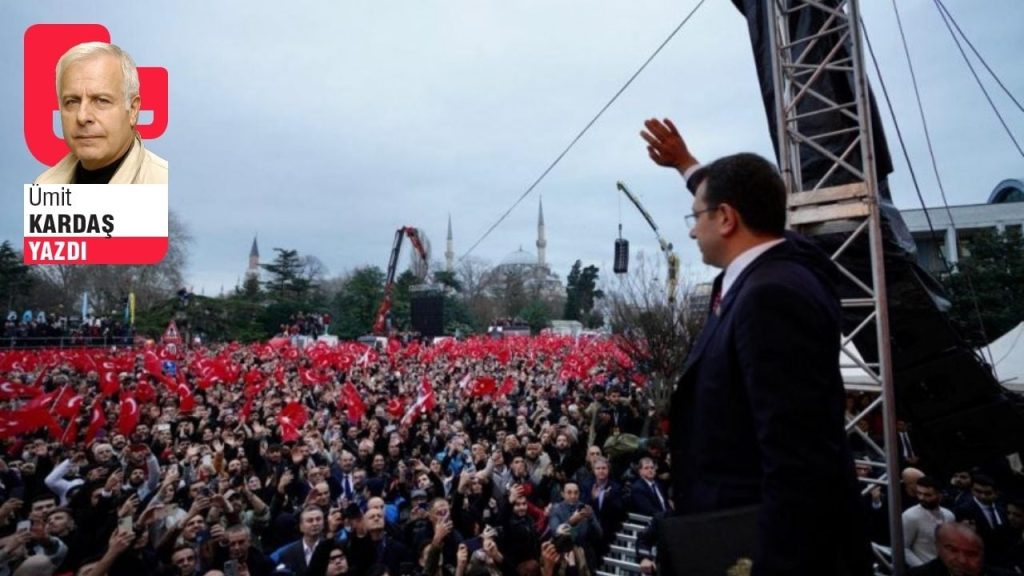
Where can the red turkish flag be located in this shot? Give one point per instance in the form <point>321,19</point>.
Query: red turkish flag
<point>109,383</point>
<point>484,385</point>
<point>43,401</point>
<point>243,414</point>
<point>70,435</point>
<point>151,363</point>
<point>12,390</point>
<point>129,416</point>
<point>144,392</point>
<point>427,394</point>
<point>69,406</point>
<point>395,407</point>
<point>186,401</point>
<point>292,417</point>
<point>23,421</point>
<point>312,377</point>
<point>354,403</point>
<point>507,386</point>
<point>97,420</point>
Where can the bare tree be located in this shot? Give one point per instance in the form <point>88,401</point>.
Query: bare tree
<point>61,286</point>
<point>656,335</point>
<point>471,272</point>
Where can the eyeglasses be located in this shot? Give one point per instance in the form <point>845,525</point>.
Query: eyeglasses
<point>691,219</point>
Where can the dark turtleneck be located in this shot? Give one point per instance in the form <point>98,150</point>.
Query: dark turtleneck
<point>100,175</point>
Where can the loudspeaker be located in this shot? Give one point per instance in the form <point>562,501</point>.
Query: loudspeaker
<point>621,256</point>
<point>427,310</point>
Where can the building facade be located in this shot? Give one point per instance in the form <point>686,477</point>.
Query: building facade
<point>947,238</point>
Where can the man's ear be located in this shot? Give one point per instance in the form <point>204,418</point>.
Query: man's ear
<point>133,109</point>
<point>729,220</point>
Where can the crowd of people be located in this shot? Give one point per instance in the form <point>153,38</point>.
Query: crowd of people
<point>41,330</point>
<point>969,521</point>
<point>486,456</point>
<point>482,456</point>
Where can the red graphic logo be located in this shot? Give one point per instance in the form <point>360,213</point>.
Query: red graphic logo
<point>44,45</point>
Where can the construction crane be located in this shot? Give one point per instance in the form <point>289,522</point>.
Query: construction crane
<point>418,241</point>
<point>666,246</point>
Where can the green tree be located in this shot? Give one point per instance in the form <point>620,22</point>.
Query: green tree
<point>536,315</point>
<point>250,288</point>
<point>356,302</point>
<point>992,271</point>
<point>581,293</point>
<point>448,279</point>
<point>15,278</point>
<point>213,319</point>
<point>288,281</point>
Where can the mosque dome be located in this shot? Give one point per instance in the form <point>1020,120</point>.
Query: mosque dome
<point>519,258</point>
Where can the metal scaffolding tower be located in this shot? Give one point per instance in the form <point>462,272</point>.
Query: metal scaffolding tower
<point>841,199</point>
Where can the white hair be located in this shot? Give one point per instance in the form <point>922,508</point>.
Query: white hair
<point>88,50</point>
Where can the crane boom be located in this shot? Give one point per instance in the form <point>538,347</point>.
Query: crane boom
<point>666,246</point>
<point>380,320</point>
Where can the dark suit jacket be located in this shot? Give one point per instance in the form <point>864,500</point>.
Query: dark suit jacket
<point>998,539</point>
<point>610,511</point>
<point>757,416</point>
<point>364,552</point>
<point>643,500</point>
<point>294,558</point>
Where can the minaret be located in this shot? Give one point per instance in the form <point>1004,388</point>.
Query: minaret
<point>541,242</point>
<point>449,252</point>
<point>254,260</point>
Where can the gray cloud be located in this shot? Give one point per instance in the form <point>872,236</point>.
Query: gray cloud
<point>324,126</point>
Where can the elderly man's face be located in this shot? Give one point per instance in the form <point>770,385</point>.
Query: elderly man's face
<point>963,554</point>
<point>374,519</point>
<point>103,453</point>
<point>347,462</point>
<point>99,126</point>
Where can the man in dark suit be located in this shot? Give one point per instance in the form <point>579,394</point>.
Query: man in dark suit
<point>604,495</point>
<point>988,515</point>
<point>296,556</point>
<point>647,496</point>
<point>757,416</point>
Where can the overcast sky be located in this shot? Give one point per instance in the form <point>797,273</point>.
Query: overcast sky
<point>323,126</point>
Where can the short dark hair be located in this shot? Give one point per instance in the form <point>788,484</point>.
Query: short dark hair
<point>44,497</point>
<point>309,509</point>
<point>983,480</point>
<point>927,482</point>
<point>752,186</point>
